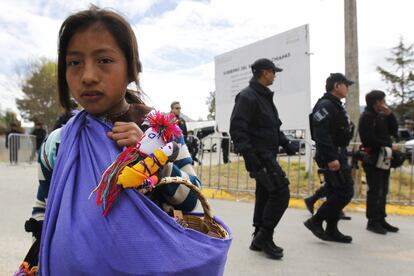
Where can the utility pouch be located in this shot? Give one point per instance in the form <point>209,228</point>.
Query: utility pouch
<point>263,179</point>
<point>384,158</point>
<point>335,178</point>
<point>275,171</point>
<point>280,176</point>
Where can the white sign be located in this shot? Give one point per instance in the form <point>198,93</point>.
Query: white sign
<point>289,51</point>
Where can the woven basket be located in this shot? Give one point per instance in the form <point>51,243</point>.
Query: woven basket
<point>204,224</point>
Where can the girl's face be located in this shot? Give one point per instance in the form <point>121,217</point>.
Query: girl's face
<point>96,71</point>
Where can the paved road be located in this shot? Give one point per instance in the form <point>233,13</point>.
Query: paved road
<point>369,254</point>
<point>18,186</point>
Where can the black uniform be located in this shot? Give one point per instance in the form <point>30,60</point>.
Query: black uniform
<point>40,134</point>
<point>375,130</point>
<point>182,125</point>
<point>63,119</point>
<point>332,132</point>
<point>255,131</point>
<point>225,147</point>
<point>193,145</point>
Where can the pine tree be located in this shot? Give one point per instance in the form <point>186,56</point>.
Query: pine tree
<point>401,79</point>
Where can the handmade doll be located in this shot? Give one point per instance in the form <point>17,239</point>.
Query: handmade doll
<point>139,166</point>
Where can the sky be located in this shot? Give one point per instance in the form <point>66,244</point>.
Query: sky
<point>178,40</point>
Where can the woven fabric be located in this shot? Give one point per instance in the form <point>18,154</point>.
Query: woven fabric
<point>135,238</point>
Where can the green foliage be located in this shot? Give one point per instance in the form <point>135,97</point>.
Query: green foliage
<point>40,102</point>
<point>404,112</point>
<point>211,103</point>
<point>6,119</point>
<point>3,128</point>
<point>401,78</point>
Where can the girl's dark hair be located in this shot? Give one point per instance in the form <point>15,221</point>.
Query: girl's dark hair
<point>372,97</point>
<point>123,34</point>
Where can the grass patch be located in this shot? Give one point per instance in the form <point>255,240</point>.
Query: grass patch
<point>234,177</point>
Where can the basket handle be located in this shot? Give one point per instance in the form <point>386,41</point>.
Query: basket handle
<point>179,180</point>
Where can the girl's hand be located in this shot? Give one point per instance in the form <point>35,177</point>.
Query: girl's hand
<point>125,134</point>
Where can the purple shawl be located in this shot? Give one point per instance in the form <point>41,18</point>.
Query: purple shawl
<point>135,238</point>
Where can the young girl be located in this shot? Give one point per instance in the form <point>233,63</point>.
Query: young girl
<point>97,59</point>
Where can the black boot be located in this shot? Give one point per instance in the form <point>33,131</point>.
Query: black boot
<point>314,224</point>
<point>252,246</point>
<point>333,234</point>
<point>264,241</point>
<point>389,227</point>
<point>343,216</point>
<point>376,227</point>
<point>310,202</point>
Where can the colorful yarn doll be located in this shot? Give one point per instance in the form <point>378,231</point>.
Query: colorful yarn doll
<point>25,270</point>
<point>139,166</point>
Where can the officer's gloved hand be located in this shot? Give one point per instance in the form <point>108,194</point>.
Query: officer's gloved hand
<point>289,148</point>
<point>252,162</point>
<point>34,226</point>
<point>351,129</point>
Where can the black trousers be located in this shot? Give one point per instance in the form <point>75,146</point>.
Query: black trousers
<point>225,148</point>
<point>321,192</point>
<point>339,189</point>
<point>378,184</point>
<point>270,206</point>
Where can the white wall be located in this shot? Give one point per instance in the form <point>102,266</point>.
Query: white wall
<point>288,50</point>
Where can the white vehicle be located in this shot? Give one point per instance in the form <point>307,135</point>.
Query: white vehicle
<point>409,146</point>
<point>210,139</point>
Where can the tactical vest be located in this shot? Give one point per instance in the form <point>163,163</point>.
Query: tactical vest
<point>343,128</point>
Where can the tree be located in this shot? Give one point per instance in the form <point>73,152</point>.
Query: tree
<point>402,78</point>
<point>211,103</point>
<point>405,113</point>
<point>40,102</point>
<point>6,120</point>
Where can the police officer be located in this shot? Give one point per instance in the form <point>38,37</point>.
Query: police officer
<point>376,126</point>
<point>318,194</point>
<point>176,110</point>
<point>255,131</point>
<point>332,132</point>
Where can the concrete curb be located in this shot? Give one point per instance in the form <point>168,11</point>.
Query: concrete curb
<point>392,209</point>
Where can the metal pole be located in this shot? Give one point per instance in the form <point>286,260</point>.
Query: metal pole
<point>228,166</point>
<point>351,59</point>
<point>201,156</point>
<point>298,189</point>
<point>399,184</point>
<point>411,177</point>
<point>209,171</point>
<point>238,171</point>
<point>311,184</point>
<point>219,164</point>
